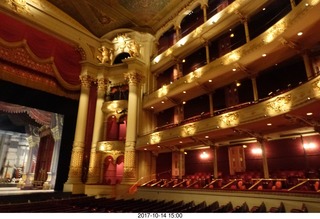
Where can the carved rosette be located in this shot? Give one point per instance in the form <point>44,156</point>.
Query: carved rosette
<point>76,159</point>
<point>86,81</point>
<point>133,78</point>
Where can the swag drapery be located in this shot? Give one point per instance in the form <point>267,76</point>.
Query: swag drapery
<point>65,56</point>
<point>39,116</point>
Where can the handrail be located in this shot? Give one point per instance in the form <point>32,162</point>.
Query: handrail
<point>178,184</point>
<point>303,182</point>
<point>211,183</point>
<point>156,182</point>
<point>195,182</point>
<point>167,183</point>
<point>231,182</point>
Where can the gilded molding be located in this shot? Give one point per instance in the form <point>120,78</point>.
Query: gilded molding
<point>279,104</point>
<point>189,129</point>
<point>19,6</point>
<point>230,119</point>
<point>316,85</point>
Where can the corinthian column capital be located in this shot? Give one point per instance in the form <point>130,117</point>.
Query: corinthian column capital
<point>86,80</point>
<point>133,77</point>
<point>102,84</point>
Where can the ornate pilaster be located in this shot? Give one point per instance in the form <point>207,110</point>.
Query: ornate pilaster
<point>95,157</point>
<point>75,169</point>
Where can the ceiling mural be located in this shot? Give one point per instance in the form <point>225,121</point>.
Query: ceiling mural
<point>103,16</point>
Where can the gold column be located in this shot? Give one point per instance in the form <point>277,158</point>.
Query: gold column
<point>255,89</point>
<point>94,165</point>
<point>307,64</point>
<point>264,159</point>
<point>293,4</point>
<point>207,52</point>
<point>181,163</point>
<point>211,103</point>
<point>129,174</point>
<point>215,162</point>
<point>178,33</point>
<point>204,9</point>
<point>244,20</point>
<point>75,169</point>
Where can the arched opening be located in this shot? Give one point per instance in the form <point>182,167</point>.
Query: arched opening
<point>120,57</point>
<point>109,171</point>
<point>122,127</point>
<point>112,128</point>
<point>119,169</point>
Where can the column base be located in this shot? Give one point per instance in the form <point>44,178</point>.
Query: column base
<point>74,188</point>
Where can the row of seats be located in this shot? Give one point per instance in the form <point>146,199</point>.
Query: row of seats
<point>111,205</point>
<point>279,180</point>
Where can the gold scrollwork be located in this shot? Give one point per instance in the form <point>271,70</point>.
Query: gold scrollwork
<point>189,130</point>
<point>316,85</point>
<point>230,119</point>
<point>280,104</point>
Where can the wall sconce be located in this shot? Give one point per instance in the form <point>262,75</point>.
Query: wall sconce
<point>204,155</point>
<point>256,151</point>
<point>310,145</point>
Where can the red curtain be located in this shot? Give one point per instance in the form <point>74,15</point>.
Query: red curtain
<point>66,57</point>
<point>39,116</point>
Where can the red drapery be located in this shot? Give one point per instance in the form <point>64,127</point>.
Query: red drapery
<point>66,57</point>
<point>41,117</point>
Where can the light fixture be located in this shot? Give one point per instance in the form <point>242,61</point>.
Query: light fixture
<point>309,114</point>
<point>299,33</point>
<point>204,155</point>
<point>264,55</point>
<point>269,124</point>
<point>310,145</point>
<point>256,151</point>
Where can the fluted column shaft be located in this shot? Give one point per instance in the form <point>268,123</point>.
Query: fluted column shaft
<point>129,173</point>
<point>75,169</point>
<point>94,170</point>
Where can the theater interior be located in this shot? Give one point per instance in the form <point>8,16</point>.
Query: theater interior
<point>188,106</point>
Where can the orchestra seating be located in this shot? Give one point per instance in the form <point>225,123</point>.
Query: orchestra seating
<point>67,203</point>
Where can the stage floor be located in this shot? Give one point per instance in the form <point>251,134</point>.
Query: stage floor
<point>4,191</point>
